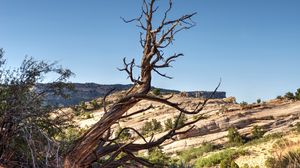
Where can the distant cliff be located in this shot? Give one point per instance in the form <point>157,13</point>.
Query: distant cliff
<point>89,91</point>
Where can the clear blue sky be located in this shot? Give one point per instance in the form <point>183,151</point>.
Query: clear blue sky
<point>253,45</point>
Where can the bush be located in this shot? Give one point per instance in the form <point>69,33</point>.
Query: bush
<point>151,127</point>
<point>244,105</point>
<point>194,153</point>
<point>124,135</point>
<point>258,101</point>
<point>257,132</point>
<point>156,91</point>
<point>291,159</point>
<point>95,104</point>
<point>289,96</point>
<point>297,94</point>
<point>29,126</point>
<point>279,97</point>
<point>234,136</point>
<point>181,120</point>
<point>168,124</point>
<point>217,158</point>
<point>156,156</point>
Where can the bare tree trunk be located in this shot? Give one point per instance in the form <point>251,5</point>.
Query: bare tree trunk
<point>95,143</point>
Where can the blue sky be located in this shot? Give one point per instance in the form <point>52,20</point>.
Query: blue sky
<point>253,45</point>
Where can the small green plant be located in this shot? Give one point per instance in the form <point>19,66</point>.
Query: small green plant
<point>279,97</point>
<point>258,101</point>
<point>181,120</point>
<point>297,94</point>
<point>124,135</point>
<point>156,91</point>
<point>83,106</point>
<point>234,136</point>
<point>156,156</point>
<point>289,96</point>
<point>95,104</point>
<point>244,105</point>
<point>291,159</point>
<point>257,132</point>
<point>151,127</point>
<point>217,158</point>
<point>193,153</point>
<point>168,124</point>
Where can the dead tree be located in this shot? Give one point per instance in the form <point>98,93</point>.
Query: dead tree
<point>97,143</point>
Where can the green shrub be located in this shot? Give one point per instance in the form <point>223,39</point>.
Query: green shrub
<point>194,153</point>
<point>151,127</point>
<point>297,94</point>
<point>95,104</point>
<point>156,156</point>
<point>291,159</point>
<point>234,136</point>
<point>257,132</point>
<point>258,101</point>
<point>181,120</point>
<point>289,96</point>
<point>225,163</point>
<point>244,105</point>
<point>156,91</point>
<point>217,158</point>
<point>125,135</point>
<point>168,124</point>
<point>279,97</point>
<point>228,163</point>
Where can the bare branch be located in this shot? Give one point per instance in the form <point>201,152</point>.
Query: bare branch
<point>137,112</point>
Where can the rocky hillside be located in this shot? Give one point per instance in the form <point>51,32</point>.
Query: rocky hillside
<point>88,91</point>
<point>274,116</point>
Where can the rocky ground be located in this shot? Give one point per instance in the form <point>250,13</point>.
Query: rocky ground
<point>273,116</point>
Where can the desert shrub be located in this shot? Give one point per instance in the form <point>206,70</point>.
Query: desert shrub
<point>83,106</point>
<point>194,153</point>
<point>265,138</point>
<point>156,91</point>
<point>95,104</point>
<point>168,124</point>
<point>258,101</point>
<point>156,156</point>
<point>244,105</point>
<point>217,158</point>
<point>228,163</point>
<point>225,163</point>
<point>291,159</point>
<point>297,94</point>
<point>279,97</point>
<point>257,132</point>
<point>151,127</point>
<point>181,120</point>
<point>234,136</point>
<point>289,96</point>
<point>124,135</point>
<point>29,124</point>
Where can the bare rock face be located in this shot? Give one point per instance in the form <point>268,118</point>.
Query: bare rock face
<point>223,123</point>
